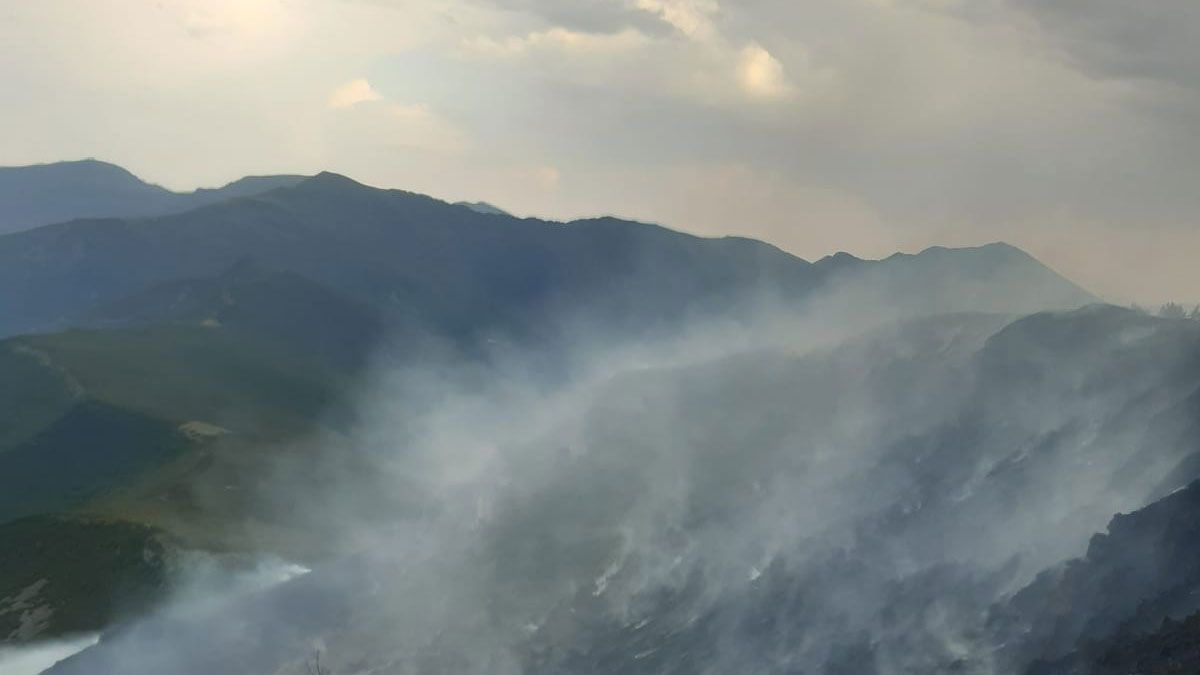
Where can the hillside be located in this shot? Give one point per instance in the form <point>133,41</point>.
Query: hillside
<point>215,379</point>
<point>51,193</point>
<point>282,308</point>
<point>996,277</point>
<point>431,266</point>
<point>152,438</point>
<point>69,575</point>
<point>84,413</point>
<point>773,511</point>
<point>420,261</point>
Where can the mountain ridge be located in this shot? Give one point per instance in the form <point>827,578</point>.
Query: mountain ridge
<point>159,369</point>
<point>44,194</point>
<point>443,265</point>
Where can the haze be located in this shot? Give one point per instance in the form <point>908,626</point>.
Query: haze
<point>1062,127</point>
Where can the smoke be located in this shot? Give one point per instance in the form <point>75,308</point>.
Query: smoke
<point>34,658</point>
<point>779,495</point>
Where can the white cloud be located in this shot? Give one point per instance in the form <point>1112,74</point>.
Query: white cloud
<point>352,93</point>
<point>717,64</point>
<point>760,74</point>
<point>366,115</point>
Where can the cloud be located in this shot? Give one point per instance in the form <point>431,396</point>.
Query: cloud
<point>352,93</point>
<point>761,74</point>
<point>1120,39</point>
<point>943,119</point>
<point>369,118</point>
<point>693,18</point>
<point>717,63</point>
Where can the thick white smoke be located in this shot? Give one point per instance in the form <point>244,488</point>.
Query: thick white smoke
<point>34,658</point>
<point>774,498</point>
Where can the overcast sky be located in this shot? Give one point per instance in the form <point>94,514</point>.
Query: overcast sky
<point>1066,127</point>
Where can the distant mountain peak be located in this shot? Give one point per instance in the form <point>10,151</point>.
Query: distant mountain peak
<point>992,248</point>
<point>484,207</point>
<point>331,178</point>
<point>44,194</point>
<point>85,163</point>
<point>388,247</point>
<point>77,171</point>
<point>838,259</point>
<point>251,185</point>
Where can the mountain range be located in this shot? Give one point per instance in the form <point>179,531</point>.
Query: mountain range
<point>451,269</point>
<point>51,193</point>
<point>176,369</point>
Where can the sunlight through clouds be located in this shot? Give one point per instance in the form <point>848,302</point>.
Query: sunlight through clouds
<point>761,74</point>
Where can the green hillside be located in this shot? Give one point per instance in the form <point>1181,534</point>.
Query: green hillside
<point>62,575</point>
<point>110,406</point>
<point>137,432</point>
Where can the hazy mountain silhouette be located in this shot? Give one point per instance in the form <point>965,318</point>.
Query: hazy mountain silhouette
<point>484,207</point>
<point>995,277</point>
<point>194,372</point>
<point>50,193</point>
<point>420,261</point>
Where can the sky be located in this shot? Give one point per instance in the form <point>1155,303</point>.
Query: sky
<point>1065,127</point>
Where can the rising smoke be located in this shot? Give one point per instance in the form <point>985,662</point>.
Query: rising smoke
<point>781,496</point>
